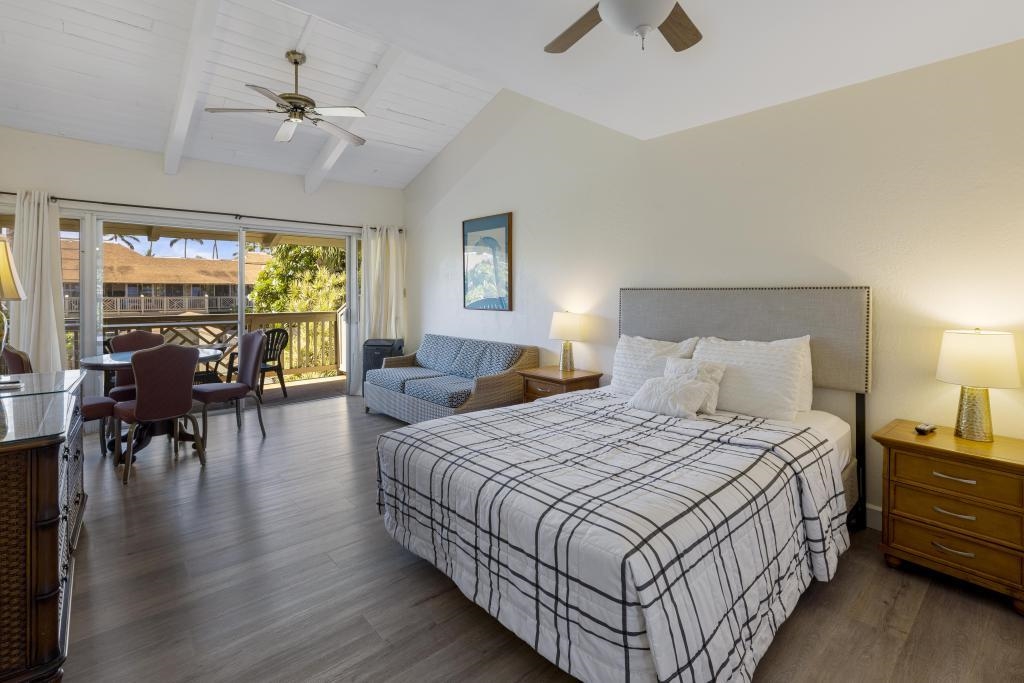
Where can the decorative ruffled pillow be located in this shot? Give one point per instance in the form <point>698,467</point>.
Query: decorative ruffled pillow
<point>701,370</point>
<point>672,396</point>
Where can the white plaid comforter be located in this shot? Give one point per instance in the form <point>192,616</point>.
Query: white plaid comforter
<point>620,544</point>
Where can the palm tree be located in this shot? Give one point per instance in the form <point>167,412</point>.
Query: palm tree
<point>185,240</point>
<point>127,240</point>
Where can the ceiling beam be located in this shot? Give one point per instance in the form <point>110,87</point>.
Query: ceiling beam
<point>204,21</point>
<point>334,147</point>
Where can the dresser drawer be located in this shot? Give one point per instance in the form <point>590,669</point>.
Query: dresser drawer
<point>957,550</point>
<point>973,481</point>
<point>536,388</point>
<point>1004,527</point>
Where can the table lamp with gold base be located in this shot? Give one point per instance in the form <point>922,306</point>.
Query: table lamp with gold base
<point>977,360</point>
<point>568,327</point>
<point>10,290</point>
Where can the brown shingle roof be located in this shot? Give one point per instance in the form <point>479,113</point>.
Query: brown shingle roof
<point>123,265</point>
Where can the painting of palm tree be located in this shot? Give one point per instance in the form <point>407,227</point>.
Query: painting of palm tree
<point>487,263</point>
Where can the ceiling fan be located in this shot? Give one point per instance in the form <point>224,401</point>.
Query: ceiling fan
<point>299,108</point>
<point>635,17</point>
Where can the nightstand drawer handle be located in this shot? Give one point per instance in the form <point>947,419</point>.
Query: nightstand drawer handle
<point>940,475</point>
<point>969,518</point>
<point>543,389</point>
<point>944,549</point>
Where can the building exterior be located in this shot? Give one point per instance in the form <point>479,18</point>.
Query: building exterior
<point>136,284</point>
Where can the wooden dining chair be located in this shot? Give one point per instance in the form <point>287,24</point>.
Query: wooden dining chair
<point>163,381</point>
<point>250,354</point>
<point>17,362</point>
<point>124,380</point>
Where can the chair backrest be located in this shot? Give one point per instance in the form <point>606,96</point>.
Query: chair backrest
<point>135,340</point>
<point>277,340</point>
<point>163,381</point>
<point>251,348</point>
<point>17,361</point>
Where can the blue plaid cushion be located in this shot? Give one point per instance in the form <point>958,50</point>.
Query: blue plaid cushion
<point>447,390</point>
<point>477,358</point>
<point>438,352</point>
<point>395,378</point>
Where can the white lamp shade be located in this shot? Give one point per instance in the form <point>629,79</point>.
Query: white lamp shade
<point>10,283</point>
<point>627,16</point>
<point>566,326</point>
<point>978,358</point>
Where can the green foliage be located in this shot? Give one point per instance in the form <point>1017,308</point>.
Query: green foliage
<point>299,278</point>
<point>320,290</point>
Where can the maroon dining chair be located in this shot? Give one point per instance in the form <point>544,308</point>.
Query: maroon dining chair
<point>17,362</point>
<point>99,408</point>
<point>124,380</point>
<point>251,347</point>
<point>163,381</point>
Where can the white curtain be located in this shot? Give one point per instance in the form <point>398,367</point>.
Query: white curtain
<point>38,322</point>
<point>383,283</point>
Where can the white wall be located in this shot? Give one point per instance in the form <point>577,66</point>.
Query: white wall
<point>85,170</point>
<point>912,184</point>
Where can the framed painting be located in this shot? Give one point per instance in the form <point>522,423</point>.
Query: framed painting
<point>487,263</point>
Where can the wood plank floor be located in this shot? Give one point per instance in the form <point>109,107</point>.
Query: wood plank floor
<point>272,565</point>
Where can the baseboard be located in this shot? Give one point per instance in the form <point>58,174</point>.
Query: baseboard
<point>874,516</point>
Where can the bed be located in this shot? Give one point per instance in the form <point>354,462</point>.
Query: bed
<point>625,545</point>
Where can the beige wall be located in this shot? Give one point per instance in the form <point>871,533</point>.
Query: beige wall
<point>912,184</point>
<point>85,170</point>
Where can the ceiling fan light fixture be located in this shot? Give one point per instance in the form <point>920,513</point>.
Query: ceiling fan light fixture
<point>635,17</point>
<point>295,115</point>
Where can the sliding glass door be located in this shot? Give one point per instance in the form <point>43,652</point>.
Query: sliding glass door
<point>299,286</point>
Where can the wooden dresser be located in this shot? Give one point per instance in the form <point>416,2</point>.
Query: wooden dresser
<point>549,380</point>
<point>955,506</point>
<point>42,499</point>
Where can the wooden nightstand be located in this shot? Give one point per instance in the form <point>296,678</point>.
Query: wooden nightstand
<point>548,381</point>
<point>955,506</point>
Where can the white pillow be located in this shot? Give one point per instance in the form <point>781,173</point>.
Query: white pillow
<point>638,359</point>
<point>704,371</point>
<point>761,379</point>
<point>672,396</point>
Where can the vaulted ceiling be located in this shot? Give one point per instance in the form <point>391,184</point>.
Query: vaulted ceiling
<point>138,73</point>
<point>754,53</point>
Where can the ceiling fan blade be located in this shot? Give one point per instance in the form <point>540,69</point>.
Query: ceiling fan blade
<point>222,110</point>
<point>572,34</point>
<point>354,112</point>
<point>269,93</point>
<point>338,131</point>
<point>679,31</point>
<point>286,131</point>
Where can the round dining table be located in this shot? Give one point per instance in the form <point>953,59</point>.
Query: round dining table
<point>122,360</point>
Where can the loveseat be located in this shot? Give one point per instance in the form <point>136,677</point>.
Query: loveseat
<point>448,375</point>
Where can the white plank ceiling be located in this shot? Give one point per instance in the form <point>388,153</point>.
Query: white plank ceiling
<point>108,71</point>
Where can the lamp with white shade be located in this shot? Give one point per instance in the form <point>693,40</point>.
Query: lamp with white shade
<point>977,360</point>
<point>10,287</point>
<point>567,327</point>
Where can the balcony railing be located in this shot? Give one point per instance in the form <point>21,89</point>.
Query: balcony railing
<point>146,305</point>
<point>316,340</point>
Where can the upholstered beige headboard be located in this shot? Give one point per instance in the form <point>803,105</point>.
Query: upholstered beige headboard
<point>838,319</point>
